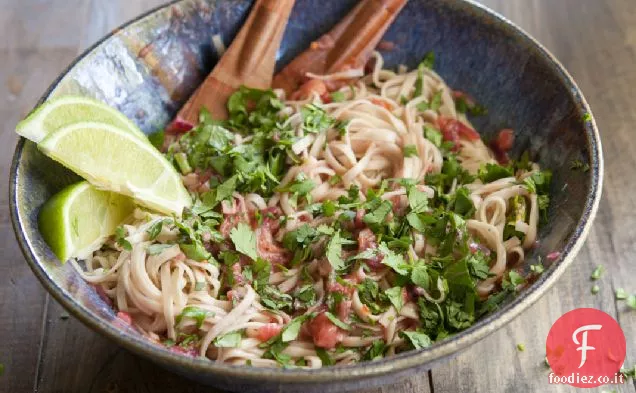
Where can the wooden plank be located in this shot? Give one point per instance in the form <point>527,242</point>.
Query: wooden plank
<point>26,44</point>
<point>601,61</point>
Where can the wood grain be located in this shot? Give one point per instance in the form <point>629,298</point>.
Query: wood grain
<point>44,351</point>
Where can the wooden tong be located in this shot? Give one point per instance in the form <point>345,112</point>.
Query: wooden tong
<point>250,60</point>
<point>348,45</point>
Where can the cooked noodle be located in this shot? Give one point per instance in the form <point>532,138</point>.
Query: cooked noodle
<point>190,305</point>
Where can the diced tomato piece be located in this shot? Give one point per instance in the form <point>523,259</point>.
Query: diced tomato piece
<point>453,129</point>
<point>180,125</point>
<point>381,103</point>
<point>324,333</point>
<point>124,316</point>
<point>386,45</point>
<point>367,240</point>
<point>505,139</point>
<point>268,331</point>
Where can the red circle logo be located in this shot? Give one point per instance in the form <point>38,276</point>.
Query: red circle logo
<point>585,348</point>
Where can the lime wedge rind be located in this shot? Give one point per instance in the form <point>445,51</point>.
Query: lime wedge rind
<point>77,220</point>
<point>66,110</point>
<point>113,159</point>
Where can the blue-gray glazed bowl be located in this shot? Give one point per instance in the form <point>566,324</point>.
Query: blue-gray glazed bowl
<point>148,67</point>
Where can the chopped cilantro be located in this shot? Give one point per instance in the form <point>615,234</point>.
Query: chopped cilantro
<point>598,272</point>
<point>334,319</point>
<point>378,215</point>
<point>631,301</point>
<point>410,151</point>
<point>244,240</point>
<point>417,339</point>
<point>587,116</point>
<point>429,60</point>
<point>324,357</point>
<point>228,340</point>
<point>512,281</point>
<point>334,252</point>
<point>521,347</point>
<point>157,139</point>
<point>376,351</point>
<point>595,289</point>
<point>436,101</point>
<point>433,135</point>
<point>537,268</point>
<point>196,313</point>
<point>154,230</point>
<point>290,332</point>
<point>621,294</point>
<point>491,172</point>
<point>120,238</point>
<point>395,297</point>
<point>337,96</point>
<point>274,299</point>
<point>418,200</point>
<point>579,165</point>
<point>394,261</point>
<point>195,251</point>
<point>420,276</point>
<point>315,119</point>
<point>156,249</point>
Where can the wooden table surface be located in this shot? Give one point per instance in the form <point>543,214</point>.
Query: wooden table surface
<point>42,350</point>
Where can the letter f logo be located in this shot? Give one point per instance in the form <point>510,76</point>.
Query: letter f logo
<point>583,344</point>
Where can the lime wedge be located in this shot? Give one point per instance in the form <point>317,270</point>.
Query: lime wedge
<point>114,159</point>
<point>66,110</point>
<point>76,221</point>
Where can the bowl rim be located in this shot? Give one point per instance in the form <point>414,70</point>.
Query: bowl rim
<point>403,361</point>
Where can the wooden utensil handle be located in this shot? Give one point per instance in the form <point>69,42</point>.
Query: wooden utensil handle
<point>250,60</point>
<point>362,33</point>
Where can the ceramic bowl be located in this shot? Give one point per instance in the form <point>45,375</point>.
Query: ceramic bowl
<point>148,67</point>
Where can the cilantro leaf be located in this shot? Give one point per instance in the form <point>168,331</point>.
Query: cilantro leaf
<point>429,60</point>
<point>334,251</point>
<point>196,313</point>
<point>315,119</point>
<point>195,251</point>
<point>394,261</point>
<point>324,357</point>
<point>417,339</point>
<point>512,280</point>
<point>244,240</point>
<point>228,340</point>
<point>120,238</point>
<point>290,332</point>
<point>433,135</point>
<point>154,230</point>
<point>409,151</point>
<point>226,189</point>
<point>378,215</point>
<point>420,276</point>
<point>274,299</point>
<point>395,297</point>
<point>376,351</point>
<point>156,249</point>
<point>418,200</point>
<point>490,172</point>
<point>334,319</point>
<point>461,203</point>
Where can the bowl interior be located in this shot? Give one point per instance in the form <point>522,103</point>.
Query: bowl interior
<point>148,68</point>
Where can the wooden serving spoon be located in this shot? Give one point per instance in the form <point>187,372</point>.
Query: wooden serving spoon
<point>250,61</point>
<point>348,45</point>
